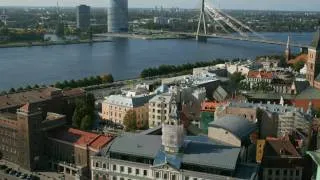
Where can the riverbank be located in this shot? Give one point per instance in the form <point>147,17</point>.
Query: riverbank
<point>31,44</point>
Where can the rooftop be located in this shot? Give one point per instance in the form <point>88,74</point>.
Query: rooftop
<point>81,138</point>
<point>54,116</point>
<point>260,74</point>
<point>162,97</point>
<point>315,155</point>
<point>280,147</point>
<point>316,40</point>
<point>308,93</point>
<point>237,125</point>
<point>197,151</point>
<point>22,98</point>
<point>126,101</point>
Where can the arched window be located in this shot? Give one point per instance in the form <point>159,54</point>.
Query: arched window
<point>97,164</point>
<point>104,177</point>
<point>104,166</point>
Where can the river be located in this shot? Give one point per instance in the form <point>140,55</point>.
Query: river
<point>122,58</point>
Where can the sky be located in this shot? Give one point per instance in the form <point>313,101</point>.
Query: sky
<point>302,5</point>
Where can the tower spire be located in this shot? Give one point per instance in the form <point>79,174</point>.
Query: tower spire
<point>202,19</point>
<point>288,50</point>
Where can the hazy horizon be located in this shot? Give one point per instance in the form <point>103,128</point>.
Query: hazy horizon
<point>283,5</point>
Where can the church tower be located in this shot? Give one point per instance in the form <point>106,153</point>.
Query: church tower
<point>173,133</point>
<point>288,51</point>
<point>313,63</point>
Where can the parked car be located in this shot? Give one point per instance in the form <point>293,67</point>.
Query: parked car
<point>18,174</point>
<point>23,176</point>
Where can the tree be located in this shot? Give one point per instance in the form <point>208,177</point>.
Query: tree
<point>107,78</point>
<point>87,122</point>
<point>12,90</point>
<point>298,66</point>
<point>36,86</point>
<point>83,116</point>
<point>28,87</point>
<point>130,121</point>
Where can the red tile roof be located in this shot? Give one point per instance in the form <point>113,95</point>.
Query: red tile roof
<point>80,138</point>
<point>100,142</point>
<point>260,74</point>
<point>211,105</point>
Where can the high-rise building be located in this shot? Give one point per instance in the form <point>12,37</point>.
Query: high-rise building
<point>83,17</point>
<point>118,16</point>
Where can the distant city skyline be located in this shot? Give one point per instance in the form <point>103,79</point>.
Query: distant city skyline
<point>294,5</point>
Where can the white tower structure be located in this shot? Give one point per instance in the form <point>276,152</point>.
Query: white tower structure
<point>173,134</point>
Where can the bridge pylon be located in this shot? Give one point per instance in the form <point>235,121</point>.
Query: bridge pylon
<point>203,20</point>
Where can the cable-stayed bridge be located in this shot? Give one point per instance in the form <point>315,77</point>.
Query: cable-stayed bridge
<point>232,28</point>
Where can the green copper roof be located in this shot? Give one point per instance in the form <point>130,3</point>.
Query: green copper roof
<point>315,155</point>
<point>316,40</point>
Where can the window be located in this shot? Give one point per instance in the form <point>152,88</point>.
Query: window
<point>297,172</point>
<point>291,172</point>
<point>114,167</point>
<point>285,172</point>
<point>97,164</point>
<point>277,172</point>
<point>270,172</point>
<point>157,174</point>
<point>145,172</point>
<point>173,177</point>
<point>153,110</point>
<point>165,176</point>
<point>104,166</point>
<point>121,178</point>
<point>129,170</point>
<point>186,178</point>
<point>121,168</point>
<point>137,171</point>
<point>114,178</point>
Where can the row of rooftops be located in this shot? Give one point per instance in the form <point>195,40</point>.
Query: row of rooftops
<point>36,95</point>
<point>274,108</point>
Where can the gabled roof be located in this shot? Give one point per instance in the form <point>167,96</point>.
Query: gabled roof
<point>280,147</point>
<point>302,85</point>
<point>316,40</point>
<point>220,94</point>
<point>162,158</point>
<point>80,138</point>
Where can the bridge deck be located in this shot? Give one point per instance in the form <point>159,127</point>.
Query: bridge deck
<point>249,39</point>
